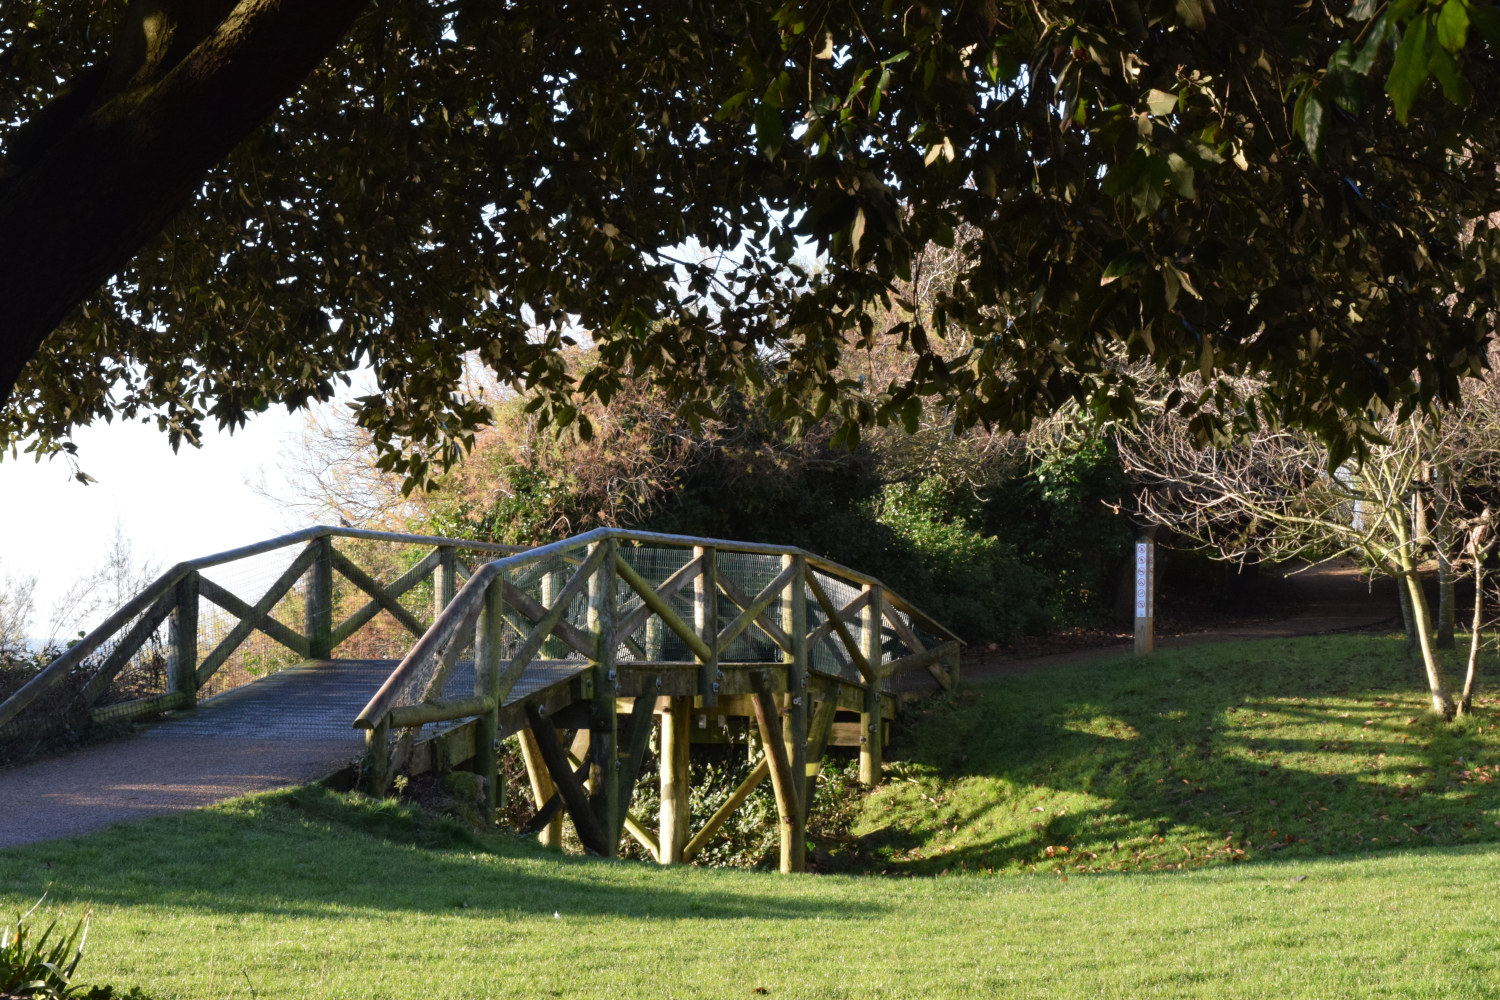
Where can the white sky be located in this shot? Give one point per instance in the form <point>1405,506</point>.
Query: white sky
<point>172,507</point>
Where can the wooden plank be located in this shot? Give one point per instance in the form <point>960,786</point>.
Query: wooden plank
<point>241,631</point>
<point>489,688</point>
<point>444,579</point>
<point>423,713</point>
<point>182,656</point>
<point>267,625</point>
<point>590,831</point>
<point>762,601</point>
<point>549,813</point>
<point>729,808</point>
<point>633,617</point>
<point>855,652</point>
<point>661,608</point>
<point>371,586</point>
<point>764,621</point>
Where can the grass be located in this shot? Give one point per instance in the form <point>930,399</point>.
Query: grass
<point>1195,757</point>
<point>308,894</point>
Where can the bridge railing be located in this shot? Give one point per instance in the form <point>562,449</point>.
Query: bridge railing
<point>701,616</point>
<point>209,625</point>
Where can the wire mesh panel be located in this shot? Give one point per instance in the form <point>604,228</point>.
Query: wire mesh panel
<point>749,574</point>
<point>652,639</point>
<point>831,656</point>
<point>257,655</point>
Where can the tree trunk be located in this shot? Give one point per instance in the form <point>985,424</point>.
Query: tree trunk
<point>1480,544</point>
<point>1442,703</point>
<point>98,177</point>
<point>1408,621</point>
<point>1442,539</point>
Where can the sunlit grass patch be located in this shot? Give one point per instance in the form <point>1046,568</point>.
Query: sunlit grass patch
<point>1191,757</point>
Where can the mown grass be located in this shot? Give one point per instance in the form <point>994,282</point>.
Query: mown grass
<point>1191,757</point>
<point>311,894</point>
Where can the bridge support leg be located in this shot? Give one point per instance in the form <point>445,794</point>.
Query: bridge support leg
<point>542,788</point>
<point>871,737</point>
<point>676,737</point>
<point>604,748</point>
<point>487,654</point>
<point>794,723</point>
<point>378,757</point>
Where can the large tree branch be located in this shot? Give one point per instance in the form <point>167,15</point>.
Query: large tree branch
<point>85,204</point>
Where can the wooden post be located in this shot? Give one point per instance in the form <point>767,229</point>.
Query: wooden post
<point>542,788</point>
<point>319,603</point>
<point>706,621</point>
<point>378,756</point>
<point>444,580</point>
<point>487,656</point>
<point>553,648</point>
<point>182,657</point>
<point>604,762</point>
<point>870,735</point>
<point>794,731</point>
<point>1145,593</point>
<point>676,736</point>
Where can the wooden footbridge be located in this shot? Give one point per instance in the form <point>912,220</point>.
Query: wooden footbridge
<point>580,649</point>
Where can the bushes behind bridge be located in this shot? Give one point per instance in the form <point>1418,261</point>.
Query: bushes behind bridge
<point>991,537</point>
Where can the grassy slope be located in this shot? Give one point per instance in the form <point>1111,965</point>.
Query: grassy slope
<point>1193,757</point>
<point>307,894</point>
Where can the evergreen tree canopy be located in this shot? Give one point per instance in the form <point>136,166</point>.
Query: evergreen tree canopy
<point>208,207</point>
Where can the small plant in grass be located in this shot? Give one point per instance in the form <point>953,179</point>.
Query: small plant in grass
<point>40,966</point>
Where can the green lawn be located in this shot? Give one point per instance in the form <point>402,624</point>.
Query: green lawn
<point>1192,757</point>
<point>311,894</point>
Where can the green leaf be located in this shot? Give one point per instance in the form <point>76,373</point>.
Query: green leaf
<point>1409,71</point>
<point>768,132</point>
<point>1123,265</point>
<point>1190,12</point>
<point>1161,102</point>
<point>1453,25</point>
<point>1307,120</point>
<point>1444,67</point>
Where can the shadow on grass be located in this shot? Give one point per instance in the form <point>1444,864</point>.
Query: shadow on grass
<point>310,851</point>
<point>1222,753</point>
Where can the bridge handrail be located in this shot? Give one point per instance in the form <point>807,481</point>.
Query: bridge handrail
<point>469,602</point>
<point>164,584</point>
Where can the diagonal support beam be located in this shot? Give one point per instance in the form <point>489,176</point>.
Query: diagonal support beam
<point>283,583</point>
<point>834,616</point>
<point>641,725</point>
<point>548,622</point>
<point>295,641</point>
<point>824,630</point>
<point>370,609</point>
<point>590,832</point>
<point>788,794</point>
<point>632,619</point>
<point>535,612</point>
<point>371,586</point>
<point>729,808</point>
<point>763,600</point>
<point>764,621</point>
<point>663,610</point>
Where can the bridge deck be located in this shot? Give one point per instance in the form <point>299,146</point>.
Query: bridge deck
<point>285,729</point>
